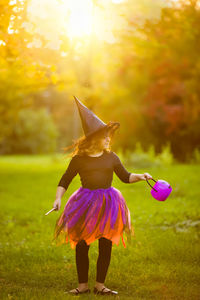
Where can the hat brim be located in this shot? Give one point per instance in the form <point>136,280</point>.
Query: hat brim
<point>110,128</point>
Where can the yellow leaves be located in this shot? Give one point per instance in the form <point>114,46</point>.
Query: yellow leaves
<point>54,78</point>
<point>53,68</point>
<point>61,86</point>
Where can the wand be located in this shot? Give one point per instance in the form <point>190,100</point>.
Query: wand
<point>50,211</point>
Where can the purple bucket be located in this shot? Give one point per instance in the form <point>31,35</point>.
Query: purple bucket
<point>161,189</point>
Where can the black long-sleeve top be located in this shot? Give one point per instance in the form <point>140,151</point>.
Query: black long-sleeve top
<point>95,172</point>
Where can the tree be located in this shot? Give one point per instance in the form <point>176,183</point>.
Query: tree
<point>164,60</point>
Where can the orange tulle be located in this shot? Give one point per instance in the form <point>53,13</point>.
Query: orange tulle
<point>82,230</point>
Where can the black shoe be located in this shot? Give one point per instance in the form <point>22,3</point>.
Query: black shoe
<point>78,292</point>
<point>96,291</point>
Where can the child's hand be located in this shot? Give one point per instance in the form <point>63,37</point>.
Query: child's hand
<point>57,203</point>
<point>146,176</point>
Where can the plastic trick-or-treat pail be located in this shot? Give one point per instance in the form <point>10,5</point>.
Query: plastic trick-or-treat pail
<point>161,189</point>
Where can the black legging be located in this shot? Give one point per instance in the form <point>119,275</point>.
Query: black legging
<point>82,260</point>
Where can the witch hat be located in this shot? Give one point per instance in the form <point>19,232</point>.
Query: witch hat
<point>91,123</point>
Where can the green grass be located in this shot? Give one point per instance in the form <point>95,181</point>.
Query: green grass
<point>161,263</point>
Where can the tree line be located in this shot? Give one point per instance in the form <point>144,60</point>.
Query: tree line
<point>148,80</point>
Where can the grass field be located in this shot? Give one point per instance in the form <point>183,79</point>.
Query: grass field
<point>163,261</point>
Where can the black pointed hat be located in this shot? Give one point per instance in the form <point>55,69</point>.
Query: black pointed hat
<point>91,123</point>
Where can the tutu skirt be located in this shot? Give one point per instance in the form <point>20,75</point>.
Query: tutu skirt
<point>91,214</point>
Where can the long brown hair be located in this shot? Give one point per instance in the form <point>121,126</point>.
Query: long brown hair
<point>87,145</point>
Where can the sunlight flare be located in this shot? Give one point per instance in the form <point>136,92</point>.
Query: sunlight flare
<point>80,20</point>
<point>77,19</point>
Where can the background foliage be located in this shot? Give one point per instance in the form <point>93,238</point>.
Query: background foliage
<point>145,75</point>
<point>34,132</point>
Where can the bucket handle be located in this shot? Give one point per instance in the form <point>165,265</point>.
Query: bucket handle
<point>151,185</point>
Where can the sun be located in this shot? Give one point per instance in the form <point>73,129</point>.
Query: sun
<point>80,17</point>
<point>79,20</point>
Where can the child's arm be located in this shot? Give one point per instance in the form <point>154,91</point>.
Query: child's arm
<point>64,182</point>
<point>59,193</point>
<point>137,177</point>
<point>126,176</point>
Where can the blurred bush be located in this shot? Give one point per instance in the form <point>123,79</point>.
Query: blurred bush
<point>141,159</point>
<point>195,159</point>
<point>34,133</point>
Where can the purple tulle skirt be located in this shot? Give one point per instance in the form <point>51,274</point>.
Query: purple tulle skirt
<point>91,214</point>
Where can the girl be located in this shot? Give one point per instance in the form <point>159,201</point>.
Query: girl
<point>96,210</point>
